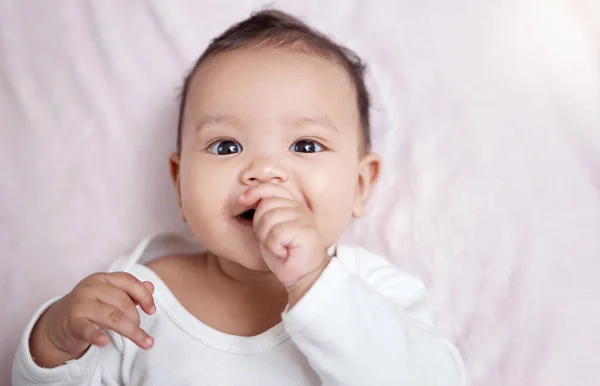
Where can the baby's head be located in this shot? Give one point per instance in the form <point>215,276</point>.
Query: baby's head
<point>272,101</point>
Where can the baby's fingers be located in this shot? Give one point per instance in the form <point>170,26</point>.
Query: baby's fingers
<point>281,237</point>
<point>88,332</point>
<point>263,191</point>
<point>110,318</point>
<point>119,299</point>
<point>140,293</point>
<point>265,220</point>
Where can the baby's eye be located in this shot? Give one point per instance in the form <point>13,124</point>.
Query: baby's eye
<point>306,146</point>
<point>225,147</point>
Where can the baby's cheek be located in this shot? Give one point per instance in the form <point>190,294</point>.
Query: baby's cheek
<point>334,211</point>
<point>198,195</point>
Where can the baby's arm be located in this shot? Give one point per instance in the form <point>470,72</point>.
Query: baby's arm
<point>86,370</point>
<point>364,322</point>
<point>64,344</point>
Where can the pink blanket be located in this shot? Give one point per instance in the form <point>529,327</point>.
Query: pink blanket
<point>486,113</point>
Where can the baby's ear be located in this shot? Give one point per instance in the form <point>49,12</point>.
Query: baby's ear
<point>368,173</point>
<point>174,168</point>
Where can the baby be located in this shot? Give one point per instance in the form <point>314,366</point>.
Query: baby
<point>273,161</point>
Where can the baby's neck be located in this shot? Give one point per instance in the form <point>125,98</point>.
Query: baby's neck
<point>242,276</point>
<point>256,298</point>
<point>223,295</point>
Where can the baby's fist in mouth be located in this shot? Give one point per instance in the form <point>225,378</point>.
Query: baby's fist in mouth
<point>290,242</point>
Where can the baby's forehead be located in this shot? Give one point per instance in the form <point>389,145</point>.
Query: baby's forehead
<point>267,81</point>
<point>256,62</point>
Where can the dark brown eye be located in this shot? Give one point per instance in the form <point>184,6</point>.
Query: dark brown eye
<point>225,147</point>
<point>306,146</point>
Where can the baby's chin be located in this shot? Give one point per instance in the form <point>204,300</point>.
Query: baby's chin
<point>253,262</point>
<point>244,257</point>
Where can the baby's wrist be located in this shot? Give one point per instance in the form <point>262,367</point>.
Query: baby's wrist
<point>304,283</point>
<point>43,350</point>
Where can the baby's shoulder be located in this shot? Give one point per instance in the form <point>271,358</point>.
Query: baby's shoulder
<point>167,265</point>
<point>357,259</point>
<point>375,268</point>
<point>174,270</point>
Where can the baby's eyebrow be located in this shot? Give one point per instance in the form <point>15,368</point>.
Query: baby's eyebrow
<point>310,121</point>
<point>296,122</point>
<point>211,120</point>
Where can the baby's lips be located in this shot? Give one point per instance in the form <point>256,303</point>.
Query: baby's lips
<point>244,196</point>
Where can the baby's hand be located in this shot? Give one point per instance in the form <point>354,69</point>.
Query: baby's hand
<point>100,301</point>
<point>289,239</point>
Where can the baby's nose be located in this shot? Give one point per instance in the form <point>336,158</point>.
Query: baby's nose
<point>264,170</point>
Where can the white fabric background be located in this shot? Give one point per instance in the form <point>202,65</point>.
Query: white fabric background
<point>486,113</point>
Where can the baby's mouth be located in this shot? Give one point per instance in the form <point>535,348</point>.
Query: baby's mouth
<point>247,215</point>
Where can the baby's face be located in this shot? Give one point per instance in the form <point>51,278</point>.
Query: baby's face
<point>267,115</point>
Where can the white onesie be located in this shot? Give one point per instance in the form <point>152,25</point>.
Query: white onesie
<point>363,322</point>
